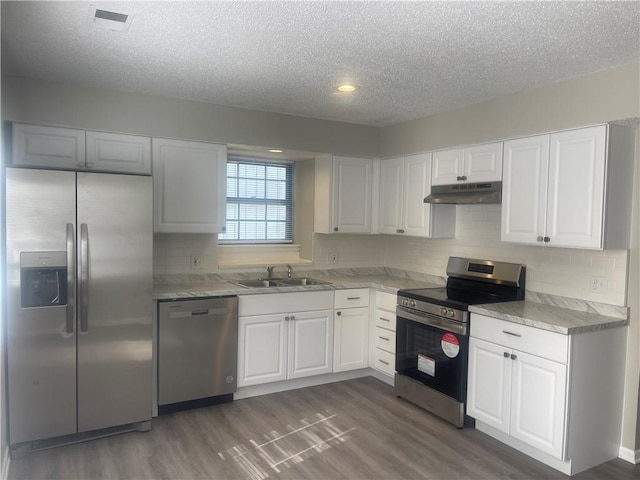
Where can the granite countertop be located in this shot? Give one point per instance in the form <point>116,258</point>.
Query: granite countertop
<point>185,286</point>
<point>549,317</point>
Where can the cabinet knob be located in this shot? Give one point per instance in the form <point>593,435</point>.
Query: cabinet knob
<point>464,177</point>
<point>506,354</point>
<point>293,317</point>
<point>286,318</point>
<point>459,178</point>
<point>539,239</point>
<point>546,239</point>
<point>400,230</point>
<point>335,229</point>
<point>338,313</point>
<point>513,357</point>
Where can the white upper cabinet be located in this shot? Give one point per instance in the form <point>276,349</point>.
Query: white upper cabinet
<point>476,163</point>
<point>113,152</point>
<point>404,182</point>
<point>342,199</point>
<point>189,186</point>
<point>70,149</point>
<point>48,147</point>
<point>555,188</point>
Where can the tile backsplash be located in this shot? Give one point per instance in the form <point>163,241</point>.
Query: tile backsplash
<point>557,271</point>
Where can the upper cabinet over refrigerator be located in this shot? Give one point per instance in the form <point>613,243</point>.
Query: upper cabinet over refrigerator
<point>38,146</point>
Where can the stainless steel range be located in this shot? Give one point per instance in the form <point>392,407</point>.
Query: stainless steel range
<point>432,334</point>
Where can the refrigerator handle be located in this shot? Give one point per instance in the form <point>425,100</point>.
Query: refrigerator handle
<point>83,290</point>
<point>71,277</point>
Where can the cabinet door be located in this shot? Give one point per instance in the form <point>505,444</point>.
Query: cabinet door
<point>112,152</point>
<point>538,402</point>
<point>310,343</point>
<point>352,179</point>
<point>447,167</point>
<point>483,163</point>
<point>417,185</point>
<point>524,189</point>
<point>262,349</point>
<point>351,339</point>
<point>189,186</point>
<point>391,195</point>
<point>489,384</point>
<point>576,188</point>
<point>48,147</point>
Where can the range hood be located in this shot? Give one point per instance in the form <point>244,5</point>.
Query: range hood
<point>466,193</point>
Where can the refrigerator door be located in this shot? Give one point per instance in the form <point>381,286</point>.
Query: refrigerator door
<point>114,300</point>
<point>41,341</point>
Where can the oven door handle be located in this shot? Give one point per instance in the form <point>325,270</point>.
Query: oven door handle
<point>433,321</point>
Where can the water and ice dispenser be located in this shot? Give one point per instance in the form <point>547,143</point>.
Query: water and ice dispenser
<point>43,279</point>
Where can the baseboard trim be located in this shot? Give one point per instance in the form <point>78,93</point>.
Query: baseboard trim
<point>6,460</point>
<point>628,455</point>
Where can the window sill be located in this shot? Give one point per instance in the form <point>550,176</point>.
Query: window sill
<point>246,256</point>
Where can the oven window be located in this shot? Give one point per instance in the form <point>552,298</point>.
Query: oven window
<point>435,357</point>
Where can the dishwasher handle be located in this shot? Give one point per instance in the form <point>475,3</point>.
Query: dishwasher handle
<point>196,313</point>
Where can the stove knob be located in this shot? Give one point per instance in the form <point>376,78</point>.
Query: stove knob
<point>413,304</point>
<point>452,313</point>
<point>405,302</point>
<point>443,311</point>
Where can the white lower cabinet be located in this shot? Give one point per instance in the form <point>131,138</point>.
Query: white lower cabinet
<point>383,342</point>
<point>351,333</point>
<point>279,345</point>
<point>555,397</point>
<point>519,394</point>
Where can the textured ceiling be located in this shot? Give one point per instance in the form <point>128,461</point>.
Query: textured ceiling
<point>411,59</point>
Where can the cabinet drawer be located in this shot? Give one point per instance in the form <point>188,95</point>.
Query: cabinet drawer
<point>386,301</point>
<point>542,343</point>
<point>355,297</point>
<point>385,340</point>
<point>385,319</point>
<point>385,362</point>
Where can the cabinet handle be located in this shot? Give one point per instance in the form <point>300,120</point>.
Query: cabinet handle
<point>459,178</point>
<point>513,357</point>
<point>511,333</point>
<point>384,319</point>
<point>506,354</point>
<point>353,298</point>
<point>400,230</point>
<point>386,339</point>
<point>382,361</point>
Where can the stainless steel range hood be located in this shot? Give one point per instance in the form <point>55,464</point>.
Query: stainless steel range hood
<point>466,193</point>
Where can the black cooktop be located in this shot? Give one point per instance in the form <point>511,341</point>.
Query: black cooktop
<point>452,297</point>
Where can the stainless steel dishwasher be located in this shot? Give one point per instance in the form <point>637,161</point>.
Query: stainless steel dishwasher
<point>197,352</point>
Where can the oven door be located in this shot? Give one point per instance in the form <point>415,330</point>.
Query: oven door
<point>432,350</point>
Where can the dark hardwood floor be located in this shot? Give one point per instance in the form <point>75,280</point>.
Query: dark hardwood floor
<point>355,429</point>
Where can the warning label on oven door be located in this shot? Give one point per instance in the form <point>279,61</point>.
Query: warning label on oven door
<point>426,365</point>
<point>450,345</point>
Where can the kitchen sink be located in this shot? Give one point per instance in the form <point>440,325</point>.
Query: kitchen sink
<point>280,282</point>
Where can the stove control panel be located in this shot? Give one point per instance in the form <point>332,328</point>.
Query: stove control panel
<point>408,302</point>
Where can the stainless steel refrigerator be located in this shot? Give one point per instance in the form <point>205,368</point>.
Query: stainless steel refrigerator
<point>79,280</point>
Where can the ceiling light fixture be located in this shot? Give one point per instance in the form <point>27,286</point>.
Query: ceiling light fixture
<point>275,150</point>
<point>346,88</point>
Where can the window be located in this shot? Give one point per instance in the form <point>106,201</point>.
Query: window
<point>259,201</point>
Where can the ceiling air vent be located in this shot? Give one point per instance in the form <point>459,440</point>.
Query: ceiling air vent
<point>115,21</point>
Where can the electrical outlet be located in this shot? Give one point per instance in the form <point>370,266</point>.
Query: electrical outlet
<point>599,284</point>
<point>332,257</point>
<point>196,261</point>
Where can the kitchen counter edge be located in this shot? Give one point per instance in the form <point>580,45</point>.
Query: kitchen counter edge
<point>549,317</point>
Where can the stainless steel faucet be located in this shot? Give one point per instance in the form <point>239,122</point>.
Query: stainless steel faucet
<point>288,271</point>
<point>270,271</point>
